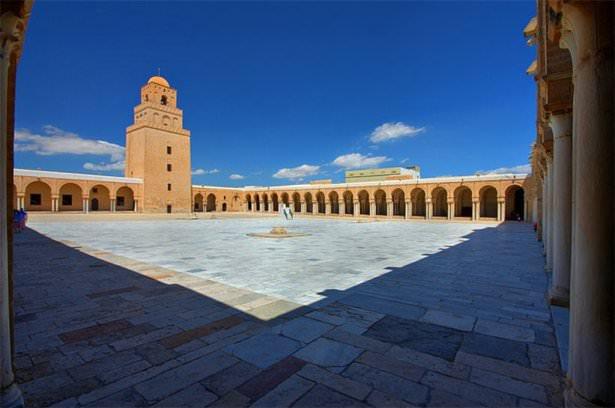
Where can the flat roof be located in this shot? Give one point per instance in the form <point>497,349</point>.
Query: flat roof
<point>75,176</point>
<point>456,179</point>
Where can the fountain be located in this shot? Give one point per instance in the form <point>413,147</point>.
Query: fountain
<point>278,232</point>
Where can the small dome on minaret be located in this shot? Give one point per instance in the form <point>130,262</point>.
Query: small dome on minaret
<point>157,79</point>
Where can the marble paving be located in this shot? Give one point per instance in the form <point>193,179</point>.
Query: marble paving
<point>337,255</point>
<point>194,313</point>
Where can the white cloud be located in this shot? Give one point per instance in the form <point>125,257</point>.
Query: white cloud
<point>200,172</point>
<point>357,160</point>
<point>236,177</point>
<point>115,166</point>
<point>55,141</point>
<point>520,169</point>
<point>297,173</point>
<point>394,130</point>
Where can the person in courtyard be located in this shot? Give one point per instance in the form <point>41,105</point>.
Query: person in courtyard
<point>23,219</point>
<point>16,216</point>
<point>291,213</point>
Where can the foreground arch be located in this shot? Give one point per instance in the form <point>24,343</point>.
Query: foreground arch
<point>334,202</point>
<point>125,199</point>
<point>439,202</point>
<point>463,202</point>
<point>100,199</point>
<point>71,197</point>
<point>488,202</point>
<point>348,203</point>
<point>417,198</point>
<point>399,202</point>
<point>363,202</point>
<point>38,196</point>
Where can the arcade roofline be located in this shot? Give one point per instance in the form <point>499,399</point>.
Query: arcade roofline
<point>75,176</point>
<point>411,182</point>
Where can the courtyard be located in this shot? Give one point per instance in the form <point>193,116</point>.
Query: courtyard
<point>195,312</point>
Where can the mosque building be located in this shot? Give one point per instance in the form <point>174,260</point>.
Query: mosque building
<point>157,179</point>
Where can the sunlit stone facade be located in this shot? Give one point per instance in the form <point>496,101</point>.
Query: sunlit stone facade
<point>158,179</point>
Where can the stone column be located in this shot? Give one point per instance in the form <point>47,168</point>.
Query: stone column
<point>21,202</point>
<point>372,208</point>
<point>113,205</point>
<point>451,210</point>
<point>561,125</point>
<point>327,207</point>
<point>342,208</point>
<point>11,35</point>
<point>428,209</point>
<point>389,208</point>
<point>591,375</point>
<point>84,205</point>
<point>408,209</point>
<point>357,208</point>
<point>545,211</point>
<point>475,209</point>
<point>303,207</point>
<point>136,206</point>
<point>549,216</point>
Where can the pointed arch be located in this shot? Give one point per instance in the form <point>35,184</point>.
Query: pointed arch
<point>439,202</point>
<point>463,202</point>
<point>363,202</point>
<point>348,203</point>
<point>334,202</point>
<point>399,202</point>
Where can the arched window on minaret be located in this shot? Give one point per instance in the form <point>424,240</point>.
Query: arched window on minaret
<point>163,100</point>
<point>146,98</point>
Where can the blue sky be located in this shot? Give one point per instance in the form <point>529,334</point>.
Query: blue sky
<point>295,90</point>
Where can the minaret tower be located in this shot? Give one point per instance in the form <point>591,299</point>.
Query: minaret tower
<point>158,149</point>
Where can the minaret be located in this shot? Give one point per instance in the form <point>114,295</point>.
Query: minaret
<point>158,149</point>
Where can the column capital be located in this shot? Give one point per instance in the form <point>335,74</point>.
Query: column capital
<point>11,34</point>
<point>561,125</point>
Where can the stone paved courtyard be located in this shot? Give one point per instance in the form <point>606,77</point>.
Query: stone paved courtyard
<point>454,315</point>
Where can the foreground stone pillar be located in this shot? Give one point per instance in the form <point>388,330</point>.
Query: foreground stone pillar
<point>113,205</point>
<point>451,210</point>
<point>561,125</point>
<point>592,303</point>
<point>357,209</point>
<point>389,208</point>
<point>372,208</point>
<point>11,34</point>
